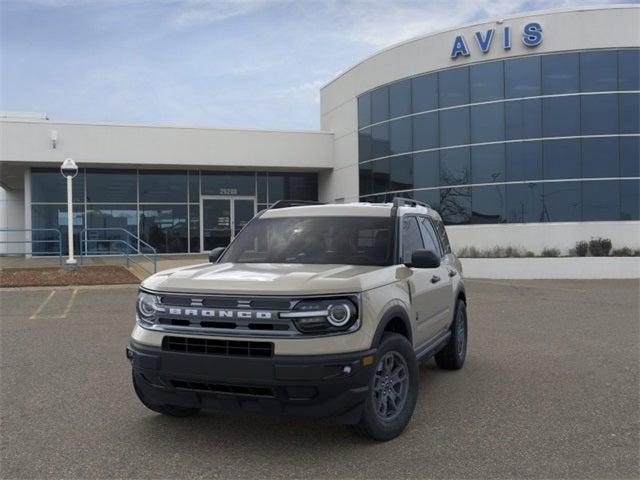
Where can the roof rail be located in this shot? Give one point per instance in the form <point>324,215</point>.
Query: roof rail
<point>407,202</point>
<point>293,203</point>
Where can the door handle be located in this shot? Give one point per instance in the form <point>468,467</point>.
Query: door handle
<point>452,273</point>
<point>435,279</point>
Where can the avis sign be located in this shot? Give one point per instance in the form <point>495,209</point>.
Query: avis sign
<point>531,37</point>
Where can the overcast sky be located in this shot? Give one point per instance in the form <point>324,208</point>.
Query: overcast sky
<point>244,63</point>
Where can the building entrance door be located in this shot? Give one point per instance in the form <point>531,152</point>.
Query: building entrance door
<point>221,218</point>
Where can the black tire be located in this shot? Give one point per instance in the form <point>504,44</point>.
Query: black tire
<point>384,426</point>
<point>170,410</point>
<point>453,355</point>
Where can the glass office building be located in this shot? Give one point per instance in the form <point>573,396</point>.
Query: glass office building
<point>174,211</point>
<point>541,138</point>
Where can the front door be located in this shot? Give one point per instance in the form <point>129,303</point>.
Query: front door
<point>221,218</point>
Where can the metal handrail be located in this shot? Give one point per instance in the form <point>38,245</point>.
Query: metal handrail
<point>32,241</point>
<point>150,256</point>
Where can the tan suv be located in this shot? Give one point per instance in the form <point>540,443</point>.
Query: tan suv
<point>316,310</point>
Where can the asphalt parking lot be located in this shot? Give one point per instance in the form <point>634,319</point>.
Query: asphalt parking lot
<point>550,390</point>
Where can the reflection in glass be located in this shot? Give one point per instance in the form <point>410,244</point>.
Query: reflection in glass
<point>630,200</point>
<point>380,105</point>
<point>194,186</point>
<point>293,186</point>
<point>380,141</point>
<point>53,216</point>
<point>488,204</point>
<point>112,186</point>
<point>426,169</point>
<point>400,135</point>
<point>524,203</point>
<point>487,164</point>
<point>401,172</point>
<point>487,123</point>
<point>430,197</point>
<point>455,166</point>
<point>165,227</point>
<point>425,131</point>
<point>365,145</point>
<point>560,73</point>
<point>601,200</point>
<point>115,219</point>
<point>453,87</point>
<point>194,227</point>
<point>598,71</point>
<point>48,185</point>
<point>454,127</point>
<point>629,113</point>
<point>630,156</point>
<point>366,179</point>
<point>629,69</point>
<point>455,205</point>
<point>364,110</point>
<point>562,202</point>
<point>600,157</point>
<point>216,223</point>
<point>522,77</point>
<point>523,119</point>
<point>487,81</point>
<point>561,159</point>
<point>163,186</point>
<point>400,98</point>
<point>424,92</point>
<point>599,114</point>
<point>381,175</point>
<point>523,161</point>
<point>561,116</point>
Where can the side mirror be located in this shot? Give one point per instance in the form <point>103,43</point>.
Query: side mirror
<point>424,259</point>
<point>215,254</point>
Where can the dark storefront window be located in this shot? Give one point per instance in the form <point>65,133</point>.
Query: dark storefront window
<point>599,114</point>
<point>228,183</point>
<point>523,161</point>
<point>487,123</point>
<point>600,157</point>
<point>630,156</point>
<point>601,200</point>
<point>364,110</point>
<point>561,159</point>
<point>400,99</point>
<point>453,87</point>
<point>426,169</point>
<point>561,116</point>
<point>487,163</point>
<point>110,224</point>
<point>629,199</point>
<point>55,217</point>
<point>400,135</point>
<point>562,202</point>
<point>49,186</point>
<point>524,203</point>
<point>163,186</point>
<point>598,71</point>
<point>401,172</point>
<point>425,131</point>
<point>455,166</point>
<point>488,204</point>
<point>523,119</point>
<point>454,127</point>
<point>522,77</point>
<point>455,205</point>
<point>560,73</point>
<point>112,186</point>
<point>486,82</point>
<point>424,93</point>
<point>380,105</point>
<point>165,227</point>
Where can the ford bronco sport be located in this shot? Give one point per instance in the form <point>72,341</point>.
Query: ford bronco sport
<point>316,310</point>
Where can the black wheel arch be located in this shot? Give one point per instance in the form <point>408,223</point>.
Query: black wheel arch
<point>396,320</point>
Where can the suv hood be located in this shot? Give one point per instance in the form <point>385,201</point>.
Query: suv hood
<point>270,279</point>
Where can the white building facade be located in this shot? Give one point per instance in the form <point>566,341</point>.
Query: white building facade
<point>522,131</point>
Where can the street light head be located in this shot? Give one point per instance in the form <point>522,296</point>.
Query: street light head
<point>69,169</point>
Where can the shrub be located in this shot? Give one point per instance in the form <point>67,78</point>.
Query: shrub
<point>550,252</point>
<point>600,247</point>
<point>625,252</point>
<point>582,248</point>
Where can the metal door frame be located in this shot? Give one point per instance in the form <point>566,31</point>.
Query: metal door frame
<point>232,211</point>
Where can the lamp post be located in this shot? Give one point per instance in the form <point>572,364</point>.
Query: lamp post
<point>69,169</point>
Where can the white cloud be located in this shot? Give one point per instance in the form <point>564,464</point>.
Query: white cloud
<point>190,13</point>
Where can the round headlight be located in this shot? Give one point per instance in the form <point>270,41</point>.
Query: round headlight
<point>339,314</point>
<point>146,305</point>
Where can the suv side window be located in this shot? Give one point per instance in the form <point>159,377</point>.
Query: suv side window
<point>444,239</point>
<point>429,236</point>
<point>411,238</point>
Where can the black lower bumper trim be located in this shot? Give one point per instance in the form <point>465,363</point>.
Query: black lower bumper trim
<point>317,386</point>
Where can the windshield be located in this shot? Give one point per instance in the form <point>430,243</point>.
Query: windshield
<point>322,240</point>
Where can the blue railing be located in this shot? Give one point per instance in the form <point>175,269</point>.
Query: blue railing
<point>131,247</point>
<point>33,241</point>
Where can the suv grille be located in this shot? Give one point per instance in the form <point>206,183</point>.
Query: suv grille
<point>231,348</point>
<point>219,388</point>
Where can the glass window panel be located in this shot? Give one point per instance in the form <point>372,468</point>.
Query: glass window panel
<point>523,161</point>
<point>426,169</point>
<point>524,203</point>
<point>429,236</point>
<point>366,179</point>
<point>401,172</point>
<point>600,157</point>
<point>364,110</point>
<point>430,197</point>
<point>425,131</point>
<point>163,186</point>
<point>380,105</point>
<point>454,127</point>
<point>487,81</point>
<point>455,166</point>
<point>228,183</point>
<point>455,205</point>
<point>411,237</point>
<point>630,199</point>
<point>49,186</point>
<point>522,77</point>
<point>560,73</point>
<point>194,227</point>
<point>400,135</point>
<point>365,144</point>
<point>561,159</point>
<point>629,70</point>
<point>562,202</point>
<point>599,114</point>
<point>601,200</point>
<point>114,218</point>
<point>487,123</point>
<point>630,156</point>
<point>599,71</point>
<point>523,119</point>
<point>53,216</point>
<point>293,186</point>
<point>400,98</point>
<point>112,186</point>
<point>380,141</point>
<point>629,113</point>
<point>424,92</point>
<point>487,164</point>
<point>488,204</point>
<point>194,186</point>
<point>380,172</point>
<point>453,87</point>
<point>165,227</point>
<point>561,116</point>
<point>261,185</point>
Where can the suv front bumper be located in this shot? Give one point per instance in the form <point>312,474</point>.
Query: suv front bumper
<point>317,386</point>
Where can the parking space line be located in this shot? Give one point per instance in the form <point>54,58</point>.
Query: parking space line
<point>42,305</point>
<point>516,285</point>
